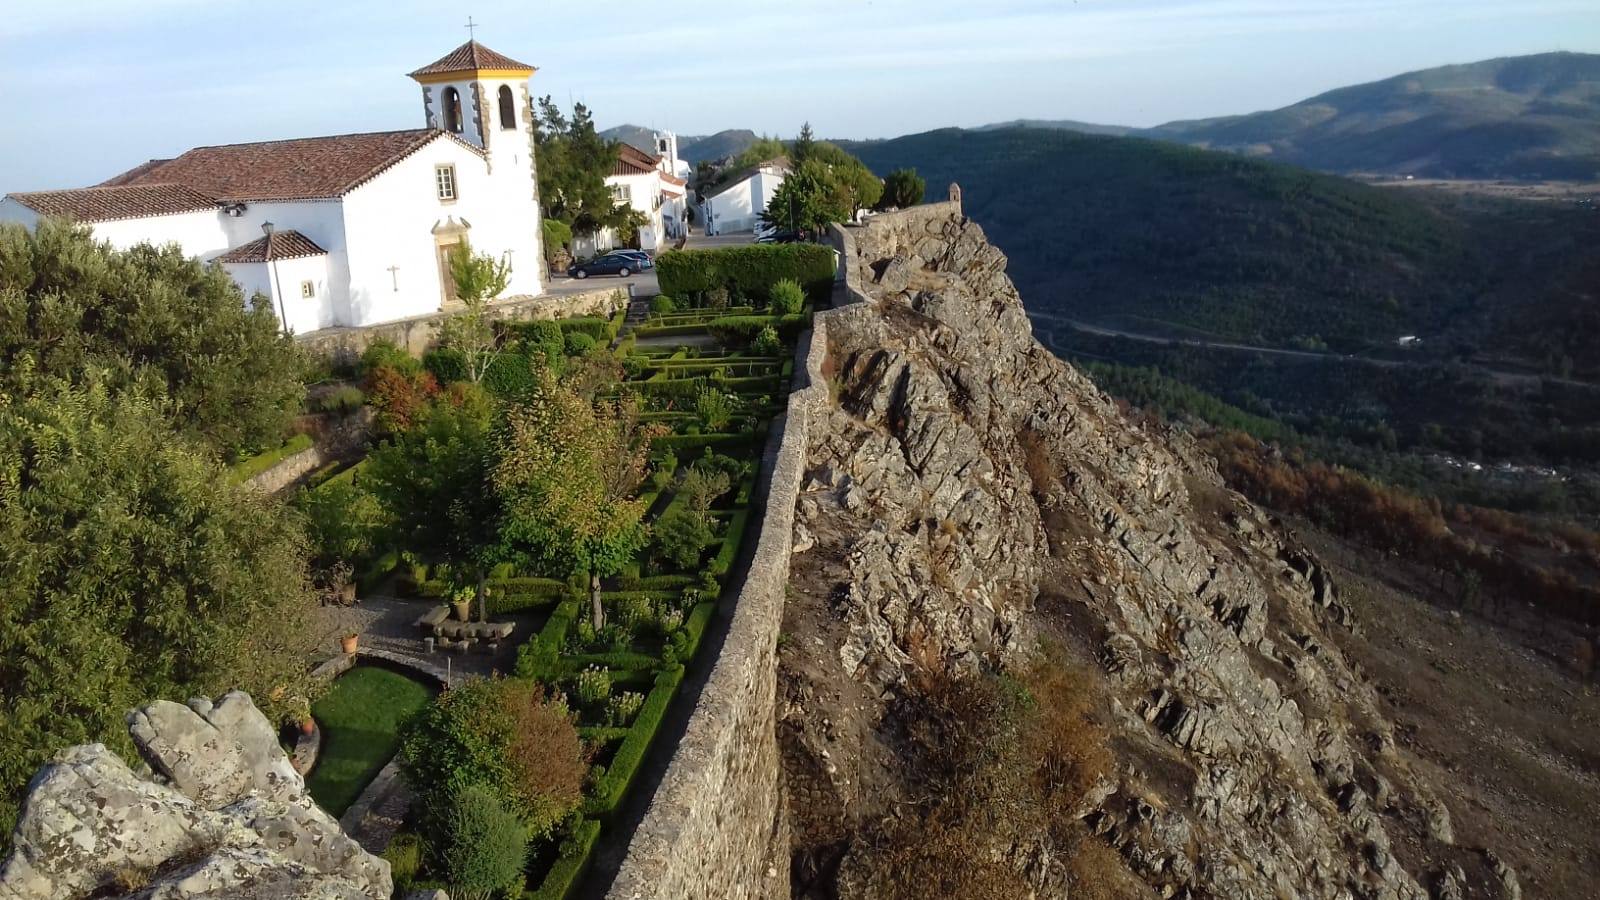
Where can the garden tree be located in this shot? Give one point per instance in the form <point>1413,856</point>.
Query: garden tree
<point>803,145</point>
<point>153,317</point>
<point>432,482</point>
<point>479,278</point>
<point>565,475</point>
<point>759,151</point>
<point>902,189</point>
<point>133,569</point>
<point>484,847</point>
<point>502,734</point>
<point>574,161</point>
<point>848,177</point>
<point>807,201</point>
<point>341,521</point>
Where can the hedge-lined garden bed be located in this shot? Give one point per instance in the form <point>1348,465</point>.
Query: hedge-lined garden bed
<point>713,410</point>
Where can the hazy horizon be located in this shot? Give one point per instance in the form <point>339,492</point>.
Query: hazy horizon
<point>167,75</point>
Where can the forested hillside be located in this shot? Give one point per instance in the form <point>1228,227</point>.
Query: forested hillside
<point>1156,237</point>
<point>1518,117</point>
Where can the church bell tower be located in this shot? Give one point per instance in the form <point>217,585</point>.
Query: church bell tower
<point>480,96</point>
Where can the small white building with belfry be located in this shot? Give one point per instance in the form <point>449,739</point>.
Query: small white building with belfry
<point>345,230</point>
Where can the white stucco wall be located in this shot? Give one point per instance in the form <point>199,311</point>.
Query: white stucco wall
<point>198,233</point>
<point>390,221</point>
<point>738,207</point>
<point>282,288</point>
<point>320,220</point>
<point>643,193</point>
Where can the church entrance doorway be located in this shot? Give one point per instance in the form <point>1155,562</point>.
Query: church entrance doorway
<point>448,236</point>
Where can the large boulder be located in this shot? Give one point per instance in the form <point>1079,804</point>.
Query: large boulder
<point>225,815</point>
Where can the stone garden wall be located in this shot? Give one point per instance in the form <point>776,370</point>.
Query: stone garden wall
<point>716,826</point>
<point>417,334</point>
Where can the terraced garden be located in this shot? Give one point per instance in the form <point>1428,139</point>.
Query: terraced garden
<point>600,660</point>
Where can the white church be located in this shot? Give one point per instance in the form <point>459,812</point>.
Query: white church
<point>352,229</point>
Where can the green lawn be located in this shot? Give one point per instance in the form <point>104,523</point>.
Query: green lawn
<point>359,717</point>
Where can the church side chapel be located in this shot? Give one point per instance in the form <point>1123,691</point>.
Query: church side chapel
<point>351,229</point>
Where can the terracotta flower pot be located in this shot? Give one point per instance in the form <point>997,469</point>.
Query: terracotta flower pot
<point>350,642</point>
<point>308,725</point>
<point>463,609</point>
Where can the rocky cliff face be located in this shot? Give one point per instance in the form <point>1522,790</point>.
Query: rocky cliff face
<point>223,814</point>
<point>971,491</point>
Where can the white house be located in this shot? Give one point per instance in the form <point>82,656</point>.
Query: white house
<point>352,229</point>
<point>737,203</point>
<point>647,184</point>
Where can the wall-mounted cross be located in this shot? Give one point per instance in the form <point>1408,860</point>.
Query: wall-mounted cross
<point>393,276</point>
<point>471,28</point>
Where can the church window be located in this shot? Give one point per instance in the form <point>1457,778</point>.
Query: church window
<point>452,110</point>
<point>308,290</point>
<point>508,108</point>
<point>444,178</point>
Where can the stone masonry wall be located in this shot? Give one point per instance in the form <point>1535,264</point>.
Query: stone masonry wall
<point>417,333</point>
<point>716,827</point>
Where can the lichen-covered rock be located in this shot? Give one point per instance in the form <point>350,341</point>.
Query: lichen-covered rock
<point>225,816</point>
<point>962,469</point>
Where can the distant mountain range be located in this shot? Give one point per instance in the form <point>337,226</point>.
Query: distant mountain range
<point>1518,117</point>
<point>1525,117</point>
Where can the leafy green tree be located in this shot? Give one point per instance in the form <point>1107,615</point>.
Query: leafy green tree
<point>803,145</point>
<point>566,473</point>
<point>681,536</point>
<point>342,522</point>
<point>133,569</point>
<point>432,482</point>
<point>152,317</point>
<point>902,189</point>
<point>786,298</point>
<point>485,847</point>
<point>761,150</point>
<point>502,734</point>
<point>807,200</point>
<point>479,278</point>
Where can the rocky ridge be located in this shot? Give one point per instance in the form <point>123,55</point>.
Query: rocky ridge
<point>970,490</point>
<point>221,813</point>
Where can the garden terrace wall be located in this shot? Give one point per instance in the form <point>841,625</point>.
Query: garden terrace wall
<point>716,826</point>
<point>344,345</point>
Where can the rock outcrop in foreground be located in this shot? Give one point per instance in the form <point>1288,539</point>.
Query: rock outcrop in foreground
<point>224,814</point>
<point>972,490</point>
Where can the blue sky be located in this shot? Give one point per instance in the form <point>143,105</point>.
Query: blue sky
<point>92,87</point>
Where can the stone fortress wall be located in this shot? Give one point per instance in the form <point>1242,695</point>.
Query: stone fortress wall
<point>716,826</point>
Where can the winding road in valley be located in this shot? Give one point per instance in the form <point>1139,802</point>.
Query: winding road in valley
<point>1520,379</point>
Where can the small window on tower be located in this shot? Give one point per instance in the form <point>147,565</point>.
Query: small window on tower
<point>444,178</point>
<point>508,109</point>
<point>308,290</point>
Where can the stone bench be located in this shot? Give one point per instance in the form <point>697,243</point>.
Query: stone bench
<point>433,618</point>
<point>484,631</point>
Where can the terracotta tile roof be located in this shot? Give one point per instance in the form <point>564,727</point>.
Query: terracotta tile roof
<point>132,174</point>
<point>299,169</point>
<point>285,244</point>
<point>470,57</point>
<point>104,204</point>
<point>633,161</point>
<point>673,179</point>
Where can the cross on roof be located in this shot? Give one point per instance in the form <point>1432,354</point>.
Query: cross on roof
<point>472,26</point>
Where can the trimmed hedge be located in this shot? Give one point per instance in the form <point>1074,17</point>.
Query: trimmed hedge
<point>656,583</point>
<point>694,628</point>
<point>261,462</point>
<point>509,375</point>
<point>549,588</point>
<point>506,604</point>
<point>698,441</point>
<point>447,365</point>
<point>730,544</point>
<point>674,388</point>
<point>626,660</point>
<point>741,330</point>
<point>646,331</point>
<point>569,868</point>
<point>537,658</point>
<point>613,786</point>
<point>751,270</point>
<point>595,327</point>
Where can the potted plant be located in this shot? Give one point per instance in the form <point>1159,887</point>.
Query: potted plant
<point>350,642</point>
<point>461,602</point>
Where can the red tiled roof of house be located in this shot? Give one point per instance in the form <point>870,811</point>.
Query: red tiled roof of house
<point>285,244</point>
<point>298,169</point>
<point>104,204</point>
<point>132,174</point>
<point>470,57</point>
<point>633,161</point>
<point>673,179</point>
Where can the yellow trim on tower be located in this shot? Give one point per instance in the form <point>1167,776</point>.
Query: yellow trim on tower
<point>473,75</point>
